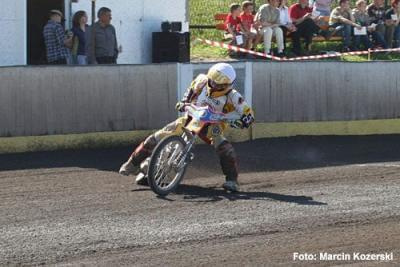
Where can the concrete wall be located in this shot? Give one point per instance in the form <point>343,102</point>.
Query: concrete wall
<point>135,20</point>
<point>326,91</point>
<point>63,100</point>
<point>60,100</point>
<point>13,32</point>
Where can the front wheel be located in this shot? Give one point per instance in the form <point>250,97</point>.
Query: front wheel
<point>167,167</point>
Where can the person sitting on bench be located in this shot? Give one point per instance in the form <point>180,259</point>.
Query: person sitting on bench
<point>268,17</point>
<point>233,25</point>
<point>304,20</point>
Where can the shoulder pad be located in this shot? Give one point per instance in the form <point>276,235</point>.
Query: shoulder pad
<point>234,94</point>
<point>236,98</point>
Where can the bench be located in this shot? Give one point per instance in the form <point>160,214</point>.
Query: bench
<point>220,25</point>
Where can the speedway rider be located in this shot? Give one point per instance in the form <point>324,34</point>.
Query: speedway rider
<point>214,90</point>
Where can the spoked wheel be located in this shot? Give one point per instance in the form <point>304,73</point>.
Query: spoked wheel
<point>166,168</point>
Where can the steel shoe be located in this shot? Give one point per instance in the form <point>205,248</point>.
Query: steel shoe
<point>144,166</point>
<point>141,179</point>
<point>231,186</point>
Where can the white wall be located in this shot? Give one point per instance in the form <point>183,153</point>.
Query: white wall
<point>135,20</point>
<point>13,32</point>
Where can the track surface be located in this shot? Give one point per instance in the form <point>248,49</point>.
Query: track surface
<point>304,194</point>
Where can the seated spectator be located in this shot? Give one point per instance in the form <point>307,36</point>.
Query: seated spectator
<point>79,30</point>
<point>56,40</point>
<point>268,17</point>
<point>305,22</point>
<point>103,47</point>
<point>247,19</point>
<point>233,23</point>
<point>392,25</point>
<point>343,21</point>
<point>376,12</point>
<point>361,17</point>
<point>285,21</point>
<point>323,7</point>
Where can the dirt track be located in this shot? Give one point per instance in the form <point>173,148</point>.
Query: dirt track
<point>305,194</point>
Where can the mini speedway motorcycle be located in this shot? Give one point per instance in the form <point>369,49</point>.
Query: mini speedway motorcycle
<point>167,165</point>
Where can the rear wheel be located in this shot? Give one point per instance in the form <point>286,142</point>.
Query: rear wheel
<point>166,167</point>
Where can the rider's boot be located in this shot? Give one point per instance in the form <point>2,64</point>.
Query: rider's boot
<point>128,168</point>
<point>228,161</point>
<point>143,151</point>
<point>232,186</point>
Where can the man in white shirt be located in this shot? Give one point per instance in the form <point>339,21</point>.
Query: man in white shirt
<point>285,22</point>
<point>268,17</point>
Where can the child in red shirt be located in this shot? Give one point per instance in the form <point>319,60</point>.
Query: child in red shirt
<point>233,23</point>
<point>247,16</point>
<point>248,28</point>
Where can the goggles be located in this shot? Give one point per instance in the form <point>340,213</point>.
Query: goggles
<point>217,87</point>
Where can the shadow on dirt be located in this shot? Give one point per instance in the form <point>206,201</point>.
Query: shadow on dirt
<point>194,193</point>
<point>276,154</point>
<point>212,194</point>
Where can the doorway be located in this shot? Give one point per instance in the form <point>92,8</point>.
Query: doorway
<point>37,12</point>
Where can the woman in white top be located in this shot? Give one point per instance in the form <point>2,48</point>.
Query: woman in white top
<point>285,21</point>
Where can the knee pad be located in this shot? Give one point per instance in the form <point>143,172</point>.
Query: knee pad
<point>150,142</point>
<point>144,150</point>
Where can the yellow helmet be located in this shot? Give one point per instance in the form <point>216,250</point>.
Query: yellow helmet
<point>220,79</point>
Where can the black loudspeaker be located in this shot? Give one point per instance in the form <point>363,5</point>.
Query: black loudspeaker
<point>171,47</point>
<point>165,26</point>
<point>176,26</point>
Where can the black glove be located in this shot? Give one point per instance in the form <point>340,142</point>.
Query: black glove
<point>247,120</point>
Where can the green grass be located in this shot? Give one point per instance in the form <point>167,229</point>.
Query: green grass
<point>205,52</point>
<point>71,141</point>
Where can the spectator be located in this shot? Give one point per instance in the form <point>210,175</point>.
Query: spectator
<point>233,24</point>
<point>268,18</point>
<point>55,40</point>
<point>285,22</point>
<point>343,21</point>
<point>247,19</point>
<point>392,25</point>
<point>305,22</point>
<point>79,30</point>
<point>376,12</point>
<point>101,40</point>
<point>323,7</point>
<point>361,17</point>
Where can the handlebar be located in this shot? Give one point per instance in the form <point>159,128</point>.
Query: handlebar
<point>206,114</point>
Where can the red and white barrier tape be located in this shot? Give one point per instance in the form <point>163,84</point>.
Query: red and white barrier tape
<point>236,48</point>
<point>329,55</point>
<point>337,54</point>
